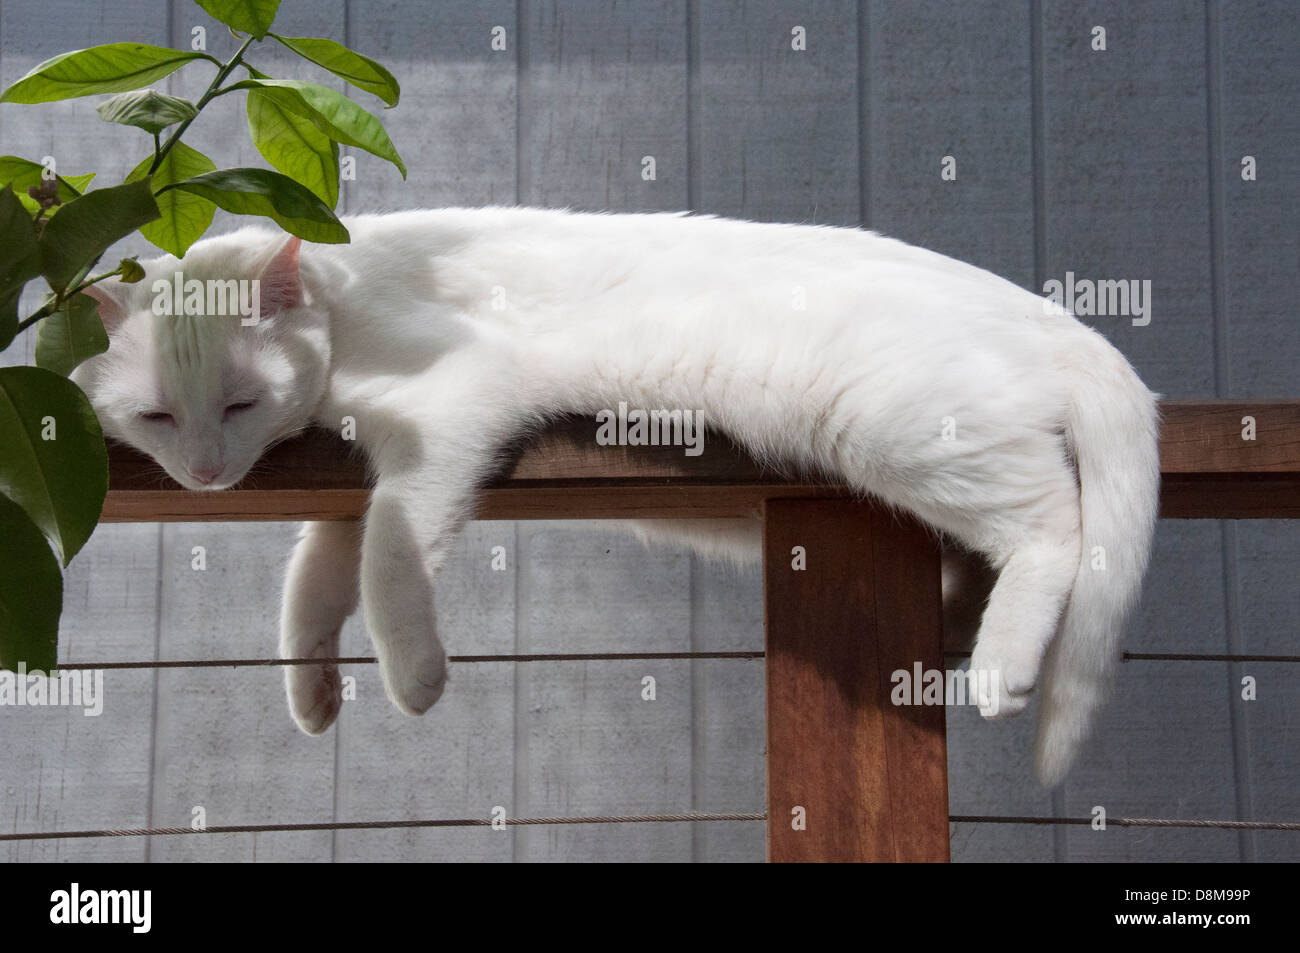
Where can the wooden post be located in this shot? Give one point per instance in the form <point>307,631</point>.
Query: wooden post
<point>870,777</point>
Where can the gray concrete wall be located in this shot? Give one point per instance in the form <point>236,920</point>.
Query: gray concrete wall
<point>1121,163</point>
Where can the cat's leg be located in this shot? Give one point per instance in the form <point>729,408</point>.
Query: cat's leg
<point>1038,565</point>
<point>408,530</point>
<point>320,593</point>
<point>430,463</point>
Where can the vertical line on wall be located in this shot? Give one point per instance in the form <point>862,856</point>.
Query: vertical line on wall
<point>1214,144</point>
<point>698,716</point>
<point>1238,719</point>
<point>864,114</point>
<point>518,834</point>
<point>692,105</point>
<point>334,801</point>
<point>153,718</point>
<point>1038,148</point>
<point>521,74</point>
<point>1038,142</point>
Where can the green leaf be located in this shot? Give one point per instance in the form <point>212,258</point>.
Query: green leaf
<point>31,593</point>
<point>80,233</point>
<point>22,174</point>
<point>79,182</point>
<point>70,335</point>
<point>247,16</point>
<point>146,109</point>
<point>183,218</point>
<point>100,69</point>
<point>361,71</point>
<point>331,112</point>
<point>294,146</point>
<point>278,197</point>
<point>20,261</point>
<point>54,464</point>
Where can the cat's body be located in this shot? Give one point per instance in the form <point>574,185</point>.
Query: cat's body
<point>931,384</point>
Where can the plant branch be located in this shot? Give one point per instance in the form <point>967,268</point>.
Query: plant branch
<point>57,301</point>
<point>226,69</point>
<point>228,89</point>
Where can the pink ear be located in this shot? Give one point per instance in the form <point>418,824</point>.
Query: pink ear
<point>281,286</point>
<point>110,295</point>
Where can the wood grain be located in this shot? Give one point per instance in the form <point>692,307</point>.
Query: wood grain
<point>1210,471</point>
<point>869,776</point>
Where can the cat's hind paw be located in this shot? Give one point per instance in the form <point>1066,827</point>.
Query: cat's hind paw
<point>415,680</point>
<point>1004,681</point>
<point>315,695</point>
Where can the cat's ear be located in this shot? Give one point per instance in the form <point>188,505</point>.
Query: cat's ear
<point>281,285</point>
<point>111,296</point>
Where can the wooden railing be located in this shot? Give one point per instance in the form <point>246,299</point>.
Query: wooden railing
<point>850,776</point>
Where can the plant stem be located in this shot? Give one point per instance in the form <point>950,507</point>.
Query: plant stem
<point>227,68</point>
<point>56,302</point>
<point>96,280</point>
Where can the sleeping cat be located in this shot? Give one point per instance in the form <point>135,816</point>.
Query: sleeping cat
<point>446,334</point>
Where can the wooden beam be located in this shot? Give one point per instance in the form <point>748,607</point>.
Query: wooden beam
<point>1209,469</point>
<point>1210,436</point>
<point>851,776</point>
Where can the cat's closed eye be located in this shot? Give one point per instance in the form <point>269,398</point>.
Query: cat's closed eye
<point>232,409</point>
<point>158,417</point>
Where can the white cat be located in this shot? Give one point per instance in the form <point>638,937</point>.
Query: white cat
<point>446,334</point>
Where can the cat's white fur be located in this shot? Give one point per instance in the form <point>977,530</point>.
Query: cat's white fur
<point>445,334</point>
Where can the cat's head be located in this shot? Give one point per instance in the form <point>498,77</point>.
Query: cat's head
<point>211,359</point>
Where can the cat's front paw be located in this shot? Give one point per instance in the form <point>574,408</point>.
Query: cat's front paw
<point>415,676</point>
<point>315,695</point>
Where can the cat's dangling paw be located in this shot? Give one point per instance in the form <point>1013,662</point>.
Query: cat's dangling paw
<point>1004,679</point>
<point>315,694</point>
<point>414,676</point>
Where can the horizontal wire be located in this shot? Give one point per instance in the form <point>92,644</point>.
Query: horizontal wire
<point>1129,822</point>
<point>1183,657</point>
<point>370,660</point>
<point>688,817</point>
<point>594,657</point>
<point>1179,657</point>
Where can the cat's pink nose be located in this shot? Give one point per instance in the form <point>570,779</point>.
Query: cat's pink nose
<point>204,475</point>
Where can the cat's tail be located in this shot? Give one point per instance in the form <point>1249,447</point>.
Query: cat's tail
<point>1112,425</point>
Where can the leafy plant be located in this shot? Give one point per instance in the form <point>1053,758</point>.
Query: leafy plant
<point>53,462</point>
